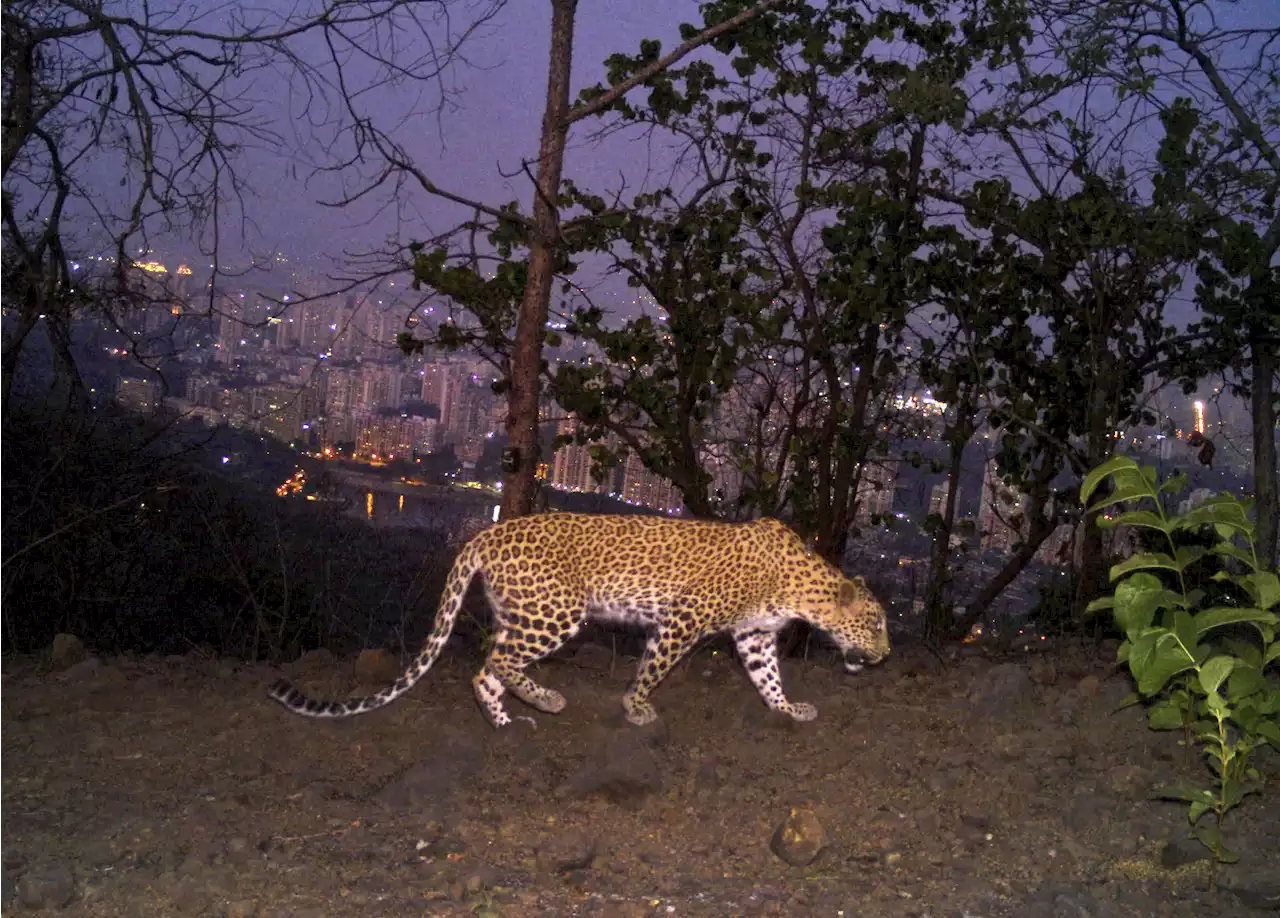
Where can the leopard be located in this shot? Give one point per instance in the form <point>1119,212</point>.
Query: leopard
<point>681,580</point>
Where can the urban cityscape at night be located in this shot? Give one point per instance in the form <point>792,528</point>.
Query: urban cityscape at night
<point>721,459</point>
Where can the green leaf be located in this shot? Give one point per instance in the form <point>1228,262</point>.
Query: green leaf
<point>1164,715</point>
<point>1264,587</point>
<point>1110,467</point>
<point>1128,701</point>
<point>1245,681</point>
<point>1215,671</point>
<point>1184,627</point>
<point>1217,706</point>
<point>1235,551</point>
<point>1187,555</point>
<point>1218,511</point>
<point>1136,601</point>
<point>1143,518</point>
<point>1185,792</point>
<point>1100,604</point>
<point>1272,654</point>
<point>1217,616</point>
<point>1143,561</point>
<point>1211,837</point>
<point>1155,659</point>
<point>1249,654</point>
<point>1196,810</point>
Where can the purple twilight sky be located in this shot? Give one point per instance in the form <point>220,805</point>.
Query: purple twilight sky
<point>491,126</point>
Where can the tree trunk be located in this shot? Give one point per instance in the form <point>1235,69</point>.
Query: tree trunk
<point>1264,367</point>
<point>937,616</point>
<point>531,326</point>
<point>12,354</point>
<point>1094,571</point>
<point>1042,527</point>
<point>839,476</point>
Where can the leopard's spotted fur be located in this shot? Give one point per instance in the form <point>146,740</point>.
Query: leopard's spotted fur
<point>683,580</point>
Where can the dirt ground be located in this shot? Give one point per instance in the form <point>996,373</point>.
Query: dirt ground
<point>983,787</point>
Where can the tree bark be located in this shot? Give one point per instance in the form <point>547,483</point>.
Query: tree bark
<point>937,616</point>
<point>1042,526</point>
<point>521,459</point>
<point>1264,367</point>
<point>531,326</point>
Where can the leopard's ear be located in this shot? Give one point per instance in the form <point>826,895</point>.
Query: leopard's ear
<point>848,593</point>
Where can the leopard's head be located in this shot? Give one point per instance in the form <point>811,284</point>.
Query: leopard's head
<point>858,625</point>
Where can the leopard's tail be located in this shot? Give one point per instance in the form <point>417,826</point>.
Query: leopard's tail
<point>464,568</point>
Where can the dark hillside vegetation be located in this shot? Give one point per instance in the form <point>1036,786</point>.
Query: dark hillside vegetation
<point>118,531</point>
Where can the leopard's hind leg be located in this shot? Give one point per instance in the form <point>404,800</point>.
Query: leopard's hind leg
<point>523,638</point>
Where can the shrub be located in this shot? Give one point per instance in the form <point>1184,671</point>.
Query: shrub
<point>1194,674</point>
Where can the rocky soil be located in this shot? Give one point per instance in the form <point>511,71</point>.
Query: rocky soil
<point>975,787</point>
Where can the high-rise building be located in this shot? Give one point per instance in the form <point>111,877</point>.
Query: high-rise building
<point>642,487</point>
<point>875,493</point>
<point>938,497</point>
<point>230,319</point>
<point>999,509</point>
<point>572,463</point>
<point>282,411</point>
<point>136,394</point>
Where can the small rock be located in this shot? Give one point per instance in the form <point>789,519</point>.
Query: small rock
<point>239,849</point>
<point>241,908</point>
<point>1130,781</point>
<point>1006,691</point>
<point>52,887</point>
<point>1009,746</point>
<point>573,850</point>
<point>66,651</point>
<point>1182,851</point>
<point>1044,672</point>
<point>377,667</point>
<point>799,838</point>
<point>1089,686</point>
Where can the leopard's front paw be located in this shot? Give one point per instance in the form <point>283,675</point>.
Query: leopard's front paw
<point>550,701</point>
<point>639,712</point>
<point>803,711</point>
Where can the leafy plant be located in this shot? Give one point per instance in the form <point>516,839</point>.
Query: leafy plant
<point>1181,650</point>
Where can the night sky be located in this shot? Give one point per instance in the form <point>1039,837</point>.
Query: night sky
<point>493,124</point>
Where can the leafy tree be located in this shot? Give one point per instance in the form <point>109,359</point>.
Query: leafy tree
<point>660,380</point>
<point>1214,87</point>
<point>842,129</point>
<point>1098,261</point>
<point>543,235</point>
<point>162,94</point>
